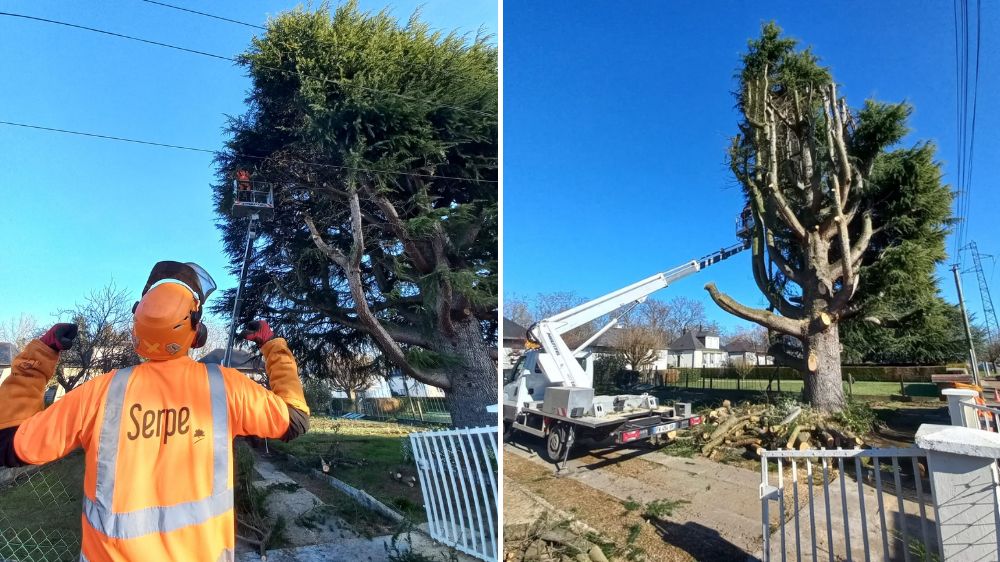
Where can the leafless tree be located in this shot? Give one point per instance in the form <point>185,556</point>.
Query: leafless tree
<point>518,309</point>
<point>671,318</point>
<point>104,340</point>
<point>218,336</point>
<point>19,331</point>
<point>755,337</point>
<point>638,345</point>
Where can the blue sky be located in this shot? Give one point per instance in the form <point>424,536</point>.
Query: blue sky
<point>617,115</point>
<point>76,212</point>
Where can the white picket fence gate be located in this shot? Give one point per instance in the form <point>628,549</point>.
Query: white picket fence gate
<point>458,472</point>
<point>872,504</point>
<point>937,501</point>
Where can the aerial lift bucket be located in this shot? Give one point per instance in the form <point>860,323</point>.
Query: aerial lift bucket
<point>252,198</point>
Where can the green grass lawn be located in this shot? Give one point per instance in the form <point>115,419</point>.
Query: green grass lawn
<point>366,455</point>
<point>861,388</point>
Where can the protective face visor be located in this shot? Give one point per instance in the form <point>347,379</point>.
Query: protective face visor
<point>189,274</point>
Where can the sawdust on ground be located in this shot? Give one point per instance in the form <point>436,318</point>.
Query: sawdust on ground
<point>597,509</point>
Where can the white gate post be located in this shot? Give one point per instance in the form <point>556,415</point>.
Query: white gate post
<point>961,414</point>
<point>961,463</point>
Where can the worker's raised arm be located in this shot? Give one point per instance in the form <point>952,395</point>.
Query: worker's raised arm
<point>22,394</point>
<point>281,412</point>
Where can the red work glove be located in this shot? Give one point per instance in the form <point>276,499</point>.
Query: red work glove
<point>258,332</point>
<point>60,337</point>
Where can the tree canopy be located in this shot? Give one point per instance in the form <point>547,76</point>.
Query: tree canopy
<point>379,141</point>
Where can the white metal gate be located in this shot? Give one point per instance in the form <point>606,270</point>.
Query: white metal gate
<point>458,478</point>
<point>872,504</point>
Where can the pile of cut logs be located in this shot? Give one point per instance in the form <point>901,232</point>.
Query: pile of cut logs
<point>757,427</point>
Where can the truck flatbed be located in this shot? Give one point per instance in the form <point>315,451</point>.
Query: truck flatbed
<point>613,419</point>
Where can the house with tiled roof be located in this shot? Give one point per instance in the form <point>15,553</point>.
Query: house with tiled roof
<point>743,351</point>
<point>697,348</point>
<point>514,338</point>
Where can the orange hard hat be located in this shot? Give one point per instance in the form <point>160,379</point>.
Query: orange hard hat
<point>163,328</point>
<point>167,322</point>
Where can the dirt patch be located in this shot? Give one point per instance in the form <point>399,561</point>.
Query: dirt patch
<point>632,536</point>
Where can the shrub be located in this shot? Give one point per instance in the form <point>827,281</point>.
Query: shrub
<point>605,369</point>
<point>857,417</point>
<point>390,405</point>
<point>626,379</point>
<point>318,395</point>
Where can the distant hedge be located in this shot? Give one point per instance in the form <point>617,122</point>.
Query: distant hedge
<point>868,373</point>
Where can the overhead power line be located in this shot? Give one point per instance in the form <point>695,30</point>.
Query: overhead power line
<point>965,123</point>
<point>248,156</point>
<point>234,60</point>
<point>165,5</point>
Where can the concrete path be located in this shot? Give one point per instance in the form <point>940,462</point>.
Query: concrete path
<point>308,520</point>
<point>722,509</point>
<point>317,535</point>
<point>724,506</point>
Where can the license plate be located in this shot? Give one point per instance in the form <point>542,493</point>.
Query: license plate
<point>664,428</point>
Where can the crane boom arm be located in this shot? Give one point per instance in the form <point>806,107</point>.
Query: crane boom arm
<point>594,309</point>
<point>562,364</point>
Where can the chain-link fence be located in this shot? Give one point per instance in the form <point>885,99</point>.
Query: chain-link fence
<point>40,511</point>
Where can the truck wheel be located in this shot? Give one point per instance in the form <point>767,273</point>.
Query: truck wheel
<point>555,445</point>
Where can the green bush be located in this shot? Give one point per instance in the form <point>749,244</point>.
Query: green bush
<point>605,369</point>
<point>858,417</point>
<point>318,395</point>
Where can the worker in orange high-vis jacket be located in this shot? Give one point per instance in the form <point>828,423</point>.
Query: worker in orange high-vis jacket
<point>157,436</point>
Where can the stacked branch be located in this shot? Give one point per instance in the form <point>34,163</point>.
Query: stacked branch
<point>750,428</point>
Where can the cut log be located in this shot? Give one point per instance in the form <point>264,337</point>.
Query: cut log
<point>727,404</point>
<point>792,436</point>
<point>804,446</point>
<point>803,437</point>
<point>722,431</point>
<point>748,442</point>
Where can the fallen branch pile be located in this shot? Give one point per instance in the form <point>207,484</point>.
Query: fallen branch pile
<point>761,426</point>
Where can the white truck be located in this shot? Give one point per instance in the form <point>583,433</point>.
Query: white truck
<point>551,394</point>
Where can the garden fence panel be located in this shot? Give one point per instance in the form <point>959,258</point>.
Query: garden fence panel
<point>458,472</point>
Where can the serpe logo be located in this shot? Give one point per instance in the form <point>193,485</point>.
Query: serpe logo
<point>163,423</point>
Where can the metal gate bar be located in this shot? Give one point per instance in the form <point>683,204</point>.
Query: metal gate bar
<point>857,511</point>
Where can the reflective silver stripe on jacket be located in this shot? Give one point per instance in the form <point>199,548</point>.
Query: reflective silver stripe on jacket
<point>157,519</point>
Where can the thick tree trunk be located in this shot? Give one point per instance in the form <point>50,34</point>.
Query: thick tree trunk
<point>473,377</point>
<point>824,388</point>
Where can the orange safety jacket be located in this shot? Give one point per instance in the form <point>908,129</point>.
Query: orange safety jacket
<point>159,461</point>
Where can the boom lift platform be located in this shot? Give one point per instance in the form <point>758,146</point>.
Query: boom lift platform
<point>552,396</point>
<point>253,199</point>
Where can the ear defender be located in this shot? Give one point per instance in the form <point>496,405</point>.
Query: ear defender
<point>200,337</point>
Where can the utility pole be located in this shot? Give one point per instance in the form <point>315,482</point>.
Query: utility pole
<point>968,330</point>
